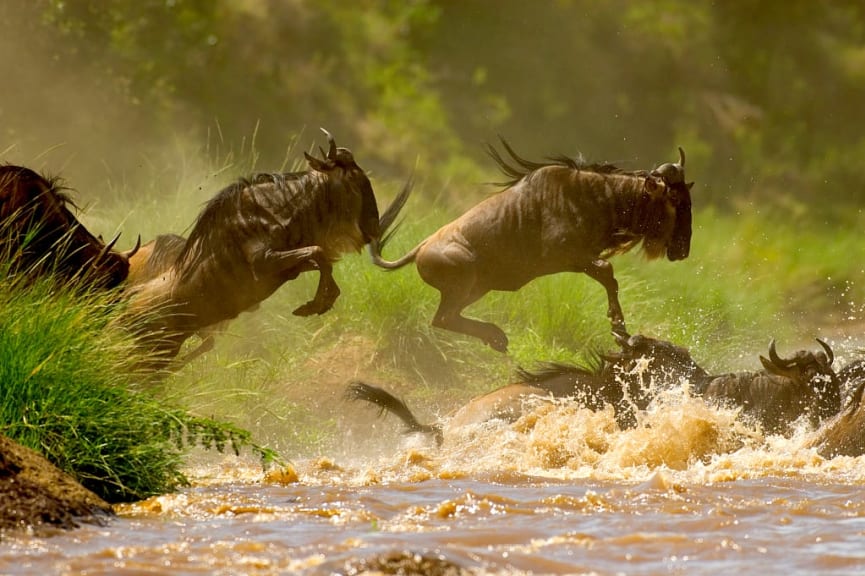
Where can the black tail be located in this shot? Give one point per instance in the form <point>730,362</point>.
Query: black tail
<point>386,220</point>
<point>389,403</point>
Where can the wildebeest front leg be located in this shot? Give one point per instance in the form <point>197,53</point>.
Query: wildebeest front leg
<point>288,264</point>
<point>602,271</point>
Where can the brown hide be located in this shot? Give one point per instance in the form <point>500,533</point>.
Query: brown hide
<point>254,236</point>
<point>844,435</point>
<point>611,383</point>
<point>563,216</point>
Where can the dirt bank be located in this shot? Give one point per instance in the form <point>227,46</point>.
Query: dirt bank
<point>34,493</point>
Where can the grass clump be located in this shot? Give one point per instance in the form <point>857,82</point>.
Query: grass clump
<point>69,391</point>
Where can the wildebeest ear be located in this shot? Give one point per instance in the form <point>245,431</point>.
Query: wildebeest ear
<point>689,185</point>
<point>654,186</point>
<point>315,163</point>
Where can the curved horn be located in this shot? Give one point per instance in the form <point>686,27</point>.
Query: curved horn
<point>681,157</point>
<point>130,253</point>
<point>777,360</point>
<point>830,355</point>
<point>107,248</point>
<point>331,153</point>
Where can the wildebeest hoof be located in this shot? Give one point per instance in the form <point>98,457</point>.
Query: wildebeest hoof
<point>311,309</point>
<point>499,343</point>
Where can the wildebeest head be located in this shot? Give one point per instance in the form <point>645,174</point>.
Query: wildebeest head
<point>669,192</point>
<point>339,165</point>
<point>810,369</point>
<point>41,235</point>
<point>668,359</point>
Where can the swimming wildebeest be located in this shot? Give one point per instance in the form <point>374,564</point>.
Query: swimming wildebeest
<point>844,435</point>
<point>615,379</point>
<point>807,386</point>
<point>39,235</point>
<point>787,388</point>
<point>254,236</point>
<point>563,215</point>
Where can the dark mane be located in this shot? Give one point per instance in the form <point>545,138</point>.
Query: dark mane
<point>165,252</point>
<point>212,228</point>
<point>525,167</point>
<point>549,370</point>
<point>53,185</point>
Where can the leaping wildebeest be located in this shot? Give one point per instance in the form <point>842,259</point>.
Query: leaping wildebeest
<point>559,216</point>
<point>40,236</point>
<point>254,236</point>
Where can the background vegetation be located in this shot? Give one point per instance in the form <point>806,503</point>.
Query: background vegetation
<point>148,107</point>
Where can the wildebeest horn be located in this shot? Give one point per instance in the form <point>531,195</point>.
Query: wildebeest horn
<point>777,360</point>
<point>671,172</point>
<point>331,153</point>
<point>107,248</point>
<point>130,253</point>
<point>829,354</point>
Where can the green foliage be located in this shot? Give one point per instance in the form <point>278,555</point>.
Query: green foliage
<point>69,391</point>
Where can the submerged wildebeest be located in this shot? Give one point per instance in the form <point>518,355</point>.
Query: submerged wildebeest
<point>845,434</point>
<point>619,379</point>
<point>39,235</point>
<point>787,389</point>
<point>807,386</point>
<point>559,216</point>
<point>254,236</point>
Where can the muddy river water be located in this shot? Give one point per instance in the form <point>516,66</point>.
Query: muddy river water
<point>691,490</point>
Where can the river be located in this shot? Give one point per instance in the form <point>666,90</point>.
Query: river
<point>691,490</point>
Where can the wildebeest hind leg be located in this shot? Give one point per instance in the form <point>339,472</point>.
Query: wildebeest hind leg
<point>449,317</point>
<point>602,271</point>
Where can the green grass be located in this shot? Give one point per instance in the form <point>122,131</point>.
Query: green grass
<point>70,391</point>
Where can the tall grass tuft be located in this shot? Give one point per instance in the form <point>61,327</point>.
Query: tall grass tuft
<point>70,391</point>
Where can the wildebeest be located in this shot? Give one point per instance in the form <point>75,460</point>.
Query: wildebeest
<point>39,235</point>
<point>616,379</point>
<point>562,215</point>
<point>254,236</point>
<point>154,260</point>
<point>808,386</point>
<point>844,435</point>
<point>787,388</point>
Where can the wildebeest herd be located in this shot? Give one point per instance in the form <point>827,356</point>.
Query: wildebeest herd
<point>556,216</point>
